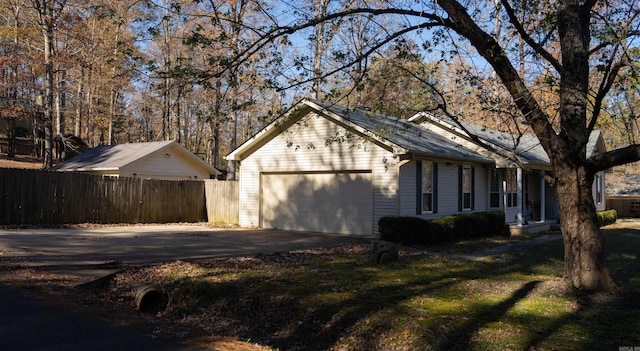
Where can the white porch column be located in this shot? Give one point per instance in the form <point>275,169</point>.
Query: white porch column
<point>504,201</point>
<point>519,194</point>
<point>543,196</point>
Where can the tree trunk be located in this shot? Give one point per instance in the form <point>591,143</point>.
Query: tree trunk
<point>48,92</point>
<point>60,102</point>
<point>585,263</point>
<point>79,103</point>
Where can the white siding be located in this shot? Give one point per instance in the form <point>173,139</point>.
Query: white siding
<point>481,188</point>
<point>316,144</point>
<point>175,166</point>
<point>447,189</point>
<point>408,189</point>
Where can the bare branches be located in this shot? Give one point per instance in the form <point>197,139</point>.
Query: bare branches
<point>528,39</point>
<point>272,34</point>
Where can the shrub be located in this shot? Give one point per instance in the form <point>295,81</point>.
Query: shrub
<point>414,230</point>
<point>405,230</point>
<point>607,217</point>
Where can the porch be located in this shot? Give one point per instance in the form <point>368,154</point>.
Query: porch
<point>530,227</point>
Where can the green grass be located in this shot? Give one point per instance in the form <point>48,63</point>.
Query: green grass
<point>344,302</point>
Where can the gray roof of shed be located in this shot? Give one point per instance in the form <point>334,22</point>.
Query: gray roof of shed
<point>115,157</point>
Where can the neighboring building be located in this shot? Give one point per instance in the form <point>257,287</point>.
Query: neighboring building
<point>326,168</point>
<point>151,160</point>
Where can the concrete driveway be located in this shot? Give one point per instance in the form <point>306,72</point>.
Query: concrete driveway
<point>95,252</point>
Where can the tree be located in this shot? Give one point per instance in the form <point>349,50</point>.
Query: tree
<point>49,13</point>
<point>579,46</point>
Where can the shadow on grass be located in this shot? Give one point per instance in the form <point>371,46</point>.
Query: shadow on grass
<point>321,303</point>
<point>460,338</point>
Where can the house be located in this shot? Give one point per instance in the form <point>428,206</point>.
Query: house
<point>166,160</point>
<point>326,168</point>
<point>516,183</point>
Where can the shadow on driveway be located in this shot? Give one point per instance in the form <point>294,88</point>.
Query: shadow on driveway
<point>95,252</point>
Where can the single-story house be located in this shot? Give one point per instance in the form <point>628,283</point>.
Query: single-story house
<point>326,168</point>
<point>166,160</point>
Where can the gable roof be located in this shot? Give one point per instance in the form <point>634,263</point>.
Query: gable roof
<point>398,136</point>
<point>115,157</point>
<point>527,149</point>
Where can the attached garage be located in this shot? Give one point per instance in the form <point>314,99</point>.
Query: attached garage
<point>328,202</point>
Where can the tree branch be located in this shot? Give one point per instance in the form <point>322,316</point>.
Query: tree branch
<point>367,53</point>
<point>494,54</point>
<point>614,158</point>
<point>276,32</point>
<point>528,39</point>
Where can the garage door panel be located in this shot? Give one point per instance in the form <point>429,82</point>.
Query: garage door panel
<point>323,202</point>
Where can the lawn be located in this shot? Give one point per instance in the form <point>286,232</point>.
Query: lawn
<point>339,300</point>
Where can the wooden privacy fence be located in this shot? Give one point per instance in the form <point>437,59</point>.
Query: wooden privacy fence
<point>222,201</point>
<point>625,205</point>
<point>44,197</point>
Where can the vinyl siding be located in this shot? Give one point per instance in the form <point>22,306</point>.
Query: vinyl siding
<point>315,144</point>
<point>177,166</point>
<point>447,189</point>
<point>408,189</point>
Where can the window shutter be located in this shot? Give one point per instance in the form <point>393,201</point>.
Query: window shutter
<point>418,187</point>
<point>473,188</point>
<point>460,193</point>
<point>435,187</point>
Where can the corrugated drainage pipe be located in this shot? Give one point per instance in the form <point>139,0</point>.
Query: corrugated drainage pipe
<point>149,299</point>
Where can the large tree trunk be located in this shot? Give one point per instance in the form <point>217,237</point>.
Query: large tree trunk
<point>585,264</point>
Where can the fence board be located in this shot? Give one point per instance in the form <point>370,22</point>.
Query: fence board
<point>625,205</point>
<point>222,201</point>
<point>44,197</point>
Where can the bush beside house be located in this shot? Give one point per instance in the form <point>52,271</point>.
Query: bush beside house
<point>607,217</point>
<point>414,230</point>
<point>409,230</point>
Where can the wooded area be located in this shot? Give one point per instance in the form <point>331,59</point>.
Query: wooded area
<point>32,197</point>
<point>204,73</point>
<point>210,73</point>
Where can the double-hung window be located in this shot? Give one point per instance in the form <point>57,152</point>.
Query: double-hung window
<point>494,189</point>
<point>466,188</point>
<point>428,187</point>
<point>599,187</point>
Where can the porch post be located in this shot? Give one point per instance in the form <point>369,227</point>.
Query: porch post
<point>543,196</point>
<point>519,194</point>
<point>504,200</point>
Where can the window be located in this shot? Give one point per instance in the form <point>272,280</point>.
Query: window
<point>466,188</point>
<point>427,175</point>
<point>512,188</point>
<point>599,182</point>
<point>427,187</point>
<point>494,189</point>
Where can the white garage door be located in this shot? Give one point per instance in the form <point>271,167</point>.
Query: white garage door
<point>318,202</point>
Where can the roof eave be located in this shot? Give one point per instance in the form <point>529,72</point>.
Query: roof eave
<point>420,155</point>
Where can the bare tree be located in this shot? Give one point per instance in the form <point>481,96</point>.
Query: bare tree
<point>49,12</point>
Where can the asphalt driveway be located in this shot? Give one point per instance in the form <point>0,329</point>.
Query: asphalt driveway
<point>95,252</point>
